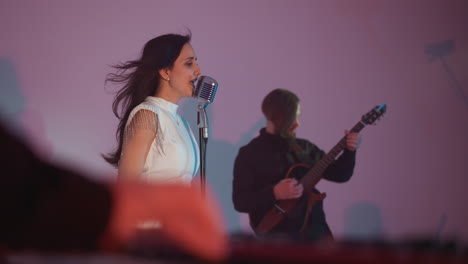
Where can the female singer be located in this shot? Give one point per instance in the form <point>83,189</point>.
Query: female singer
<point>155,143</point>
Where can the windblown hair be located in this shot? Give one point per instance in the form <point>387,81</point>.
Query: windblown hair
<point>140,78</point>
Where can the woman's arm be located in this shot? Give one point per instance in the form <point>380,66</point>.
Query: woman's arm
<point>139,136</point>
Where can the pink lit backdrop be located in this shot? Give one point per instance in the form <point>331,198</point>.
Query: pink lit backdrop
<point>341,57</point>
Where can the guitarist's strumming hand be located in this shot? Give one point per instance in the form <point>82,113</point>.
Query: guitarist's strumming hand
<point>353,140</point>
<point>288,188</point>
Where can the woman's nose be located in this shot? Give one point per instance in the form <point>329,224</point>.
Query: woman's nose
<point>197,70</point>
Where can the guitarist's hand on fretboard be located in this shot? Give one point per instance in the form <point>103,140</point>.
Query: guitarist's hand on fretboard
<point>288,189</point>
<point>353,140</point>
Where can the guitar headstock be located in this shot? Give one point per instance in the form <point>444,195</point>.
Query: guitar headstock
<point>375,114</point>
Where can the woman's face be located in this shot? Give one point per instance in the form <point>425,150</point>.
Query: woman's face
<point>185,72</point>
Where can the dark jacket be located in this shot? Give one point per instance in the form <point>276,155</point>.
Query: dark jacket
<point>264,162</point>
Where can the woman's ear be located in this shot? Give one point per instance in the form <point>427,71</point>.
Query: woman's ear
<point>164,73</point>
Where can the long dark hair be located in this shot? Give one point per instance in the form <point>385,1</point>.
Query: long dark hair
<point>280,107</point>
<point>140,78</point>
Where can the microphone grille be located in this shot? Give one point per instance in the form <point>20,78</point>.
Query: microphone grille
<point>205,89</point>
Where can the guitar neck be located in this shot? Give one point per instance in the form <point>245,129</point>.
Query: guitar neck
<point>316,173</point>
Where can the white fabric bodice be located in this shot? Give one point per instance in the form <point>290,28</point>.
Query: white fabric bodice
<point>174,153</point>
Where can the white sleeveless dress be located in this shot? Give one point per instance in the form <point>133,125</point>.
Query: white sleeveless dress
<point>174,153</point>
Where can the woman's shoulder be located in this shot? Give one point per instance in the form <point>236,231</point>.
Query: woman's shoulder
<point>144,112</point>
<point>145,106</point>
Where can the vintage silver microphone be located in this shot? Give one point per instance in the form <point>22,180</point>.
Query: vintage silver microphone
<point>204,91</point>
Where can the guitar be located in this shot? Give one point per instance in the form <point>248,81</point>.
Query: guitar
<point>276,214</point>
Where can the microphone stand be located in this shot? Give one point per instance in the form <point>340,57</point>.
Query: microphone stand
<point>202,120</point>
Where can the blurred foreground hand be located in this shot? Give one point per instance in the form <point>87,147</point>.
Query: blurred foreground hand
<point>190,221</point>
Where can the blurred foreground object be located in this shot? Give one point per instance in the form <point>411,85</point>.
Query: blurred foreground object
<point>45,207</point>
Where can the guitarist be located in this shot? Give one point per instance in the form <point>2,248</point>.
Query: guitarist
<point>261,166</point>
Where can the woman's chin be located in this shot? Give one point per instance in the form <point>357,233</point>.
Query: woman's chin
<point>189,93</point>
